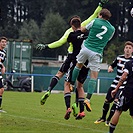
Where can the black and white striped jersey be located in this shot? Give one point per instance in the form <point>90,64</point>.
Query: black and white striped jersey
<point>2,55</point>
<point>119,63</point>
<point>2,58</point>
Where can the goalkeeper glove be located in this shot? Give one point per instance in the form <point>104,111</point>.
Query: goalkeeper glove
<point>102,2</point>
<point>41,46</point>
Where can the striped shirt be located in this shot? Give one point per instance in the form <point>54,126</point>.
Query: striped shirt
<point>2,57</point>
<point>119,63</point>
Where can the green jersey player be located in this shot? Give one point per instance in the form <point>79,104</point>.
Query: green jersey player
<point>100,32</point>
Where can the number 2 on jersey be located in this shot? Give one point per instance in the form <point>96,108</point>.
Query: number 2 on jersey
<point>99,35</point>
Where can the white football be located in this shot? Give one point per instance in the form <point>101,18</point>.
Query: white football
<point>131,12</point>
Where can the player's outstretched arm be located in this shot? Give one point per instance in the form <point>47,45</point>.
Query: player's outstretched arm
<point>95,14</point>
<point>61,41</point>
<point>57,43</point>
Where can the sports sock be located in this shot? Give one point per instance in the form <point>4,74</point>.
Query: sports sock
<point>88,96</point>
<point>105,109</point>
<point>91,88</point>
<point>76,98</point>
<point>53,83</point>
<point>75,74</point>
<point>67,97</point>
<point>112,111</point>
<point>111,128</point>
<point>81,104</point>
<point>0,100</point>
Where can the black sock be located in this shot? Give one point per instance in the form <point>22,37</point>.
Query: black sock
<point>0,100</point>
<point>67,98</point>
<point>105,109</point>
<point>89,96</point>
<point>53,83</point>
<point>81,104</point>
<point>111,128</point>
<point>112,111</point>
<point>76,100</point>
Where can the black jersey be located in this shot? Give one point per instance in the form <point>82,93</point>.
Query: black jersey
<point>76,38</point>
<point>128,90</point>
<point>119,63</point>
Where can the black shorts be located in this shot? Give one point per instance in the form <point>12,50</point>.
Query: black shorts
<point>109,98</point>
<point>81,77</point>
<point>69,73</point>
<point>124,104</point>
<point>83,74</point>
<point>69,63</point>
<point>108,95</point>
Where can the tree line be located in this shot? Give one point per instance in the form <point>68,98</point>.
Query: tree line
<point>45,21</point>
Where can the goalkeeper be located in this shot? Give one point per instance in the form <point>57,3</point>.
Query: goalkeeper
<point>59,43</point>
<point>63,39</point>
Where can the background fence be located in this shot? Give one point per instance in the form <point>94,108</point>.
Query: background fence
<point>41,81</point>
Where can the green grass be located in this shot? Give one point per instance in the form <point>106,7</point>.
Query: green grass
<point>26,115</point>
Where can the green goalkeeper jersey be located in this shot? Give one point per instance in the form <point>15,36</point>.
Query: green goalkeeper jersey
<point>100,32</point>
<point>63,39</point>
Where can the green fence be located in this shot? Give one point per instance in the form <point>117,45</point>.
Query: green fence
<point>41,82</point>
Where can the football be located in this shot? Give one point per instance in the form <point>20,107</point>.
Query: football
<point>131,12</point>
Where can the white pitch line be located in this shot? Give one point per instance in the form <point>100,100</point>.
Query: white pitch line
<point>99,131</point>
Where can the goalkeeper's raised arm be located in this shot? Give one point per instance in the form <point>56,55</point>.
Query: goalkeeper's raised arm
<point>63,39</point>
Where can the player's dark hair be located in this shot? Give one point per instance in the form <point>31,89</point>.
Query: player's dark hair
<point>3,38</point>
<point>129,43</point>
<point>105,13</point>
<point>76,23</point>
<point>74,19</point>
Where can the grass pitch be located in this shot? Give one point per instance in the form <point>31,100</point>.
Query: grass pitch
<point>26,115</point>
